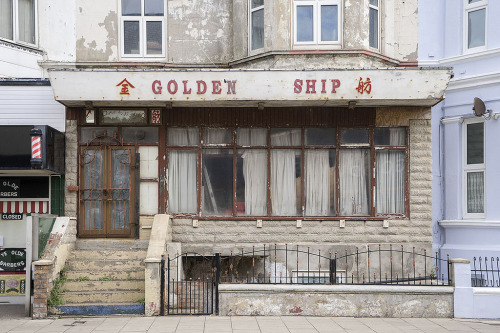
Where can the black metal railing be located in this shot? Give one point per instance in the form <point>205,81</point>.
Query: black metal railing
<point>486,272</point>
<point>296,264</point>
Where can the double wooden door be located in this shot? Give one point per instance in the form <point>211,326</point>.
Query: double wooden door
<point>106,192</point>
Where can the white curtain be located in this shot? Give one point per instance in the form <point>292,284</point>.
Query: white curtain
<point>26,22</point>
<point>317,182</point>
<point>251,136</point>
<point>283,182</point>
<point>397,136</point>
<point>475,192</point>
<point>354,182</point>
<point>182,167</point>
<point>255,175</point>
<point>6,19</point>
<point>217,136</point>
<point>390,166</point>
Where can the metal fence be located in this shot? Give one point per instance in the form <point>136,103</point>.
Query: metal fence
<point>486,272</point>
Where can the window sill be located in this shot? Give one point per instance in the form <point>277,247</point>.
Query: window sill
<point>286,218</point>
<point>21,46</point>
<point>476,223</point>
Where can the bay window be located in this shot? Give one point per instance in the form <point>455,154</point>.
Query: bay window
<point>475,19</point>
<point>17,20</point>
<point>142,28</point>
<point>474,168</point>
<point>317,22</point>
<point>278,172</point>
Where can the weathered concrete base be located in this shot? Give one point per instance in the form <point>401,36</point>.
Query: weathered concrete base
<point>97,310</point>
<point>338,300</point>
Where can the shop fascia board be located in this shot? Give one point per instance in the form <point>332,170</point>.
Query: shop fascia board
<point>202,87</point>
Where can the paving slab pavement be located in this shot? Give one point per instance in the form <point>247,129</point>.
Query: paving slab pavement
<point>214,324</point>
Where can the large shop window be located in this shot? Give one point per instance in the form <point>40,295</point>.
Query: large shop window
<point>142,28</point>
<point>17,20</point>
<point>475,19</point>
<point>287,171</point>
<point>256,24</point>
<point>317,22</point>
<point>474,169</point>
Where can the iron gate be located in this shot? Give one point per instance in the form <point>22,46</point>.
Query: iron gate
<point>198,295</point>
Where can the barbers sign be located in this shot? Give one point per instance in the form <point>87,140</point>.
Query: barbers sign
<point>10,188</point>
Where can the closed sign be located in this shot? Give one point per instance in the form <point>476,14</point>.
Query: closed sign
<point>12,216</point>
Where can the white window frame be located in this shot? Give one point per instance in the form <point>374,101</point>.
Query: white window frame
<point>143,19</point>
<point>317,43</point>
<point>15,24</point>
<point>250,13</point>
<point>482,4</point>
<point>377,8</point>
<point>468,168</point>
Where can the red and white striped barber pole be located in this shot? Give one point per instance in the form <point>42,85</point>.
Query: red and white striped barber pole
<point>23,207</point>
<point>36,148</point>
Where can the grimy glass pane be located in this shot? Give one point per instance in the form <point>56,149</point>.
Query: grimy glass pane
<point>373,28</point>
<point>475,192</point>
<point>126,117</point>
<point>140,134</point>
<point>258,29</point>
<point>321,136</point>
<point>251,182</point>
<point>354,136</point>
<point>320,182</point>
<point>329,23</point>
<point>477,28</point>
<point>183,136</point>
<point>131,7</point>
<point>182,181</point>
<point>153,7</point>
<point>475,143</point>
<point>131,37</point>
<point>217,136</point>
<point>286,182</point>
<point>154,37</point>
<point>120,189</point>
<point>374,2</point>
<point>390,136</point>
<point>286,136</point>
<point>6,19</point>
<point>257,3</point>
<point>217,182</point>
<point>251,136</point>
<point>93,170</point>
<point>26,21</point>
<point>305,28</point>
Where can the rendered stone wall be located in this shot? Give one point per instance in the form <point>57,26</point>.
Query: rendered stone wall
<point>343,301</point>
<point>71,175</point>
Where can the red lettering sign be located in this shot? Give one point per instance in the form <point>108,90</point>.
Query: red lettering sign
<point>216,87</point>
<point>186,91</point>
<point>157,87</point>
<point>125,85</point>
<point>169,87</point>
<point>202,87</point>
<point>364,86</point>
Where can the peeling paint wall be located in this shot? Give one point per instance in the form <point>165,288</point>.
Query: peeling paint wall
<point>356,24</point>
<point>96,30</point>
<point>400,29</point>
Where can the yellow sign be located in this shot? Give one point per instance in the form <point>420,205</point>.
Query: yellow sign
<point>12,284</point>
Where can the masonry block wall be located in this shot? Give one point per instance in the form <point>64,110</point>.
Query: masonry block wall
<point>42,286</point>
<point>71,197</point>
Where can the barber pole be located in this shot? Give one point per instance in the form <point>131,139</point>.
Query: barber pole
<point>36,148</point>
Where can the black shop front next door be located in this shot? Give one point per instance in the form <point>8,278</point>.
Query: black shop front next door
<point>106,192</point>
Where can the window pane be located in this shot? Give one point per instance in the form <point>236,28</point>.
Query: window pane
<point>251,182</point>
<point>131,7</point>
<point>257,3</point>
<point>354,136</point>
<point>472,1</point>
<point>321,136</point>
<point>153,7</point>
<point>154,37</point>
<point>140,134</point>
<point>129,117</point>
<point>475,143</point>
<point>305,29</point>
<point>26,21</point>
<point>182,165</point>
<point>285,136</point>
<point>374,2</point>
<point>217,182</point>
<point>258,29</point>
<point>6,19</point>
<point>183,136</point>
<point>320,182</point>
<point>286,182</point>
<point>390,173</point>
<point>131,37</point>
<point>251,136</point>
<point>477,28</point>
<point>390,136</point>
<point>217,136</point>
<point>475,192</point>
<point>329,23</point>
<point>373,28</point>
<point>354,178</point>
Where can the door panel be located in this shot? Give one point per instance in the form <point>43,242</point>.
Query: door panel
<point>106,192</point>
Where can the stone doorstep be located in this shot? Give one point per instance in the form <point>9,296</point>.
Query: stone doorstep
<point>102,297</point>
<point>115,275</point>
<point>97,309</point>
<point>103,286</point>
<point>111,244</point>
<point>108,254</point>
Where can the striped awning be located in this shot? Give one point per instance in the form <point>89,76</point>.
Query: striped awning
<point>24,207</point>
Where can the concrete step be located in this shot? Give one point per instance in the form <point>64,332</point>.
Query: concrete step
<point>115,275</point>
<point>137,254</point>
<point>103,286</point>
<point>98,309</point>
<point>104,265</point>
<point>96,297</point>
<point>111,244</point>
